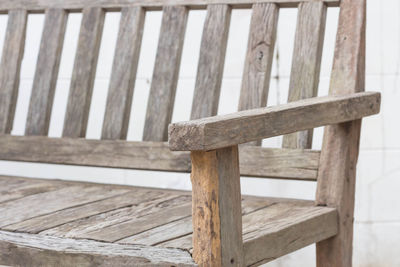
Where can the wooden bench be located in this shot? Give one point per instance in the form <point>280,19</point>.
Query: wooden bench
<point>63,223</point>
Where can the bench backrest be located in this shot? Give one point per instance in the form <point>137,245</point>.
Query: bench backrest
<point>152,153</point>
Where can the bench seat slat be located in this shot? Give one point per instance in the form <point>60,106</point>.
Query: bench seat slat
<point>84,71</point>
<point>306,65</point>
<point>165,75</point>
<point>10,66</point>
<point>123,75</point>
<point>46,74</point>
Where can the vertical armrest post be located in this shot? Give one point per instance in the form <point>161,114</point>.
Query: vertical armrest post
<point>217,213</point>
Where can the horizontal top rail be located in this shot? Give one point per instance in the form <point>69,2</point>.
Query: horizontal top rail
<point>77,5</point>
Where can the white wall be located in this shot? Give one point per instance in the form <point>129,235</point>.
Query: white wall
<point>377,218</point>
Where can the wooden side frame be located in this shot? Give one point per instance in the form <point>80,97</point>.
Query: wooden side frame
<point>337,172</point>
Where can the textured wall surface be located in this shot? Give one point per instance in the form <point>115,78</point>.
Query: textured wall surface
<point>377,216</point>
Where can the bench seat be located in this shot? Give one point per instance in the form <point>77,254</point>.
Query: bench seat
<point>64,223</point>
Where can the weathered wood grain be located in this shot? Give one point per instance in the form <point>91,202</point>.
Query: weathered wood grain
<point>336,186</point>
<point>12,191</point>
<point>211,62</point>
<point>170,231</point>
<point>101,153</point>
<point>84,72</point>
<point>10,66</point>
<point>20,249</point>
<point>306,63</point>
<point>120,223</point>
<point>283,228</point>
<point>123,75</point>
<point>260,52</point>
<point>41,5</point>
<point>44,82</point>
<point>41,223</point>
<point>165,74</point>
<point>216,211</point>
<point>256,162</point>
<point>47,202</point>
<point>244,126</point>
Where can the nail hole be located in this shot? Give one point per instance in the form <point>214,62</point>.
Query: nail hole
<point>232,261</point>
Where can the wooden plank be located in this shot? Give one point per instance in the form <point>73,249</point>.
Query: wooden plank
<point>183,227</point>
<point>336,188</point>
<point>10,66</point>
<point>217,215</point>
<point>122,230</point>
<point>123,75</point>
<point>84,72</point>
<point>165,74</point>
<point>101,153</point>
<point>41,223</point>
<point>211,61</point>
<point>306,64</point>
<point>244,126</point>
<point>282,226</point>
<point>44,83</point>
<point>260,52</point>
<point>19,249</point>
<point>256,162</point>
<point>132,219</point>
<point>48,202</point>
<point>40,5</point>
<point>294,164</point>
<point>280,229</point>
<point>13,191</point>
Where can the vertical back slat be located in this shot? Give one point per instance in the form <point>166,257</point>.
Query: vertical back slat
<point>306,63</point>
<point>120,92</point>
<point>211,61</point>
<point>46,72</point>
<point>84,72</point>
<point>10,66</point>
<point>260,52</point>
<point>165,75</point>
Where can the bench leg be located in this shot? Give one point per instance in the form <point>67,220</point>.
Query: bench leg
<point>217,213</point>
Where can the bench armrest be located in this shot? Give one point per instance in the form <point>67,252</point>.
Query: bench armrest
<point>250,125</point>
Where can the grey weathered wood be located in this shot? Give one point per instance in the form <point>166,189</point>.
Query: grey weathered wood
<point>281,229</point>
<point>211,62</point>
<point>336,186</point>
<point>84,71</point>
<point>216,212</point>
<point>10,191</point>
<point>47,202</point>
<point>120,223</point>
<point>20,249</point>
<point>40,5</point>
<point>123,75</point>
<point>165,74</point>
<point>105,153</point>
<point>257,161</point>
<point>260,52</point>
<point>183,227</point>
<point>306,63</point>
<point>241,127</point>
<point>279,163</point>
<point>10,66</point>
<point>44,222</point>
<point>44,83</point>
